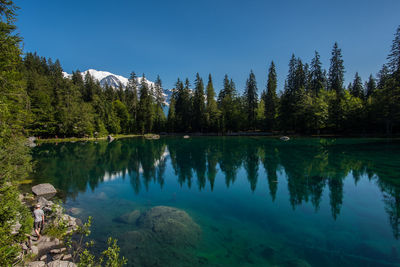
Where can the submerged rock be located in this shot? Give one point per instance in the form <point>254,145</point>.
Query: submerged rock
<point>170,225</point>
<point>129,218</point>
<point>166,232</point>
<point>46,190</point>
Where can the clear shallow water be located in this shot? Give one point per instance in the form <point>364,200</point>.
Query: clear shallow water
<point>258,201</point>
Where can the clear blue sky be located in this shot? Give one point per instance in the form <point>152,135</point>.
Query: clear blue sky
<point>179,38</point>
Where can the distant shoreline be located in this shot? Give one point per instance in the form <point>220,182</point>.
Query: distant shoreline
<point>244,134</point>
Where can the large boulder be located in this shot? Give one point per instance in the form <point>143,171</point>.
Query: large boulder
<point>170,225</point>
<point>37,264</point>
<point>46,190</point>
<point>58,263</point>
<point>167,232</point>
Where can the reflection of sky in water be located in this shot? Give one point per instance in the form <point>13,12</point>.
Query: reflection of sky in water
<point>250,219</point>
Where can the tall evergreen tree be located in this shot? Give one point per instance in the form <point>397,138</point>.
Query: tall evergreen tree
<point>251,97</point>
<point>229,106</point>
<point>199,116</point>
<point>145,108</point>
<point>317,78</point>
<point>271,99</point>
<point>183,106</point>
<point>356,88</point>
<point>370,86</point>
<point>131,92</point>
<point>14,154</point>
<point>336,71</point>
<point>160,103</point>
<point>211,107</point>
<point>394,56</point>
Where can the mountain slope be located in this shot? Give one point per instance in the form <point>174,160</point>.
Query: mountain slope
<point>114,80</point>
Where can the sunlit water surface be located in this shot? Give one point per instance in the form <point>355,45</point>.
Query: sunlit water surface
<point>258,201</point>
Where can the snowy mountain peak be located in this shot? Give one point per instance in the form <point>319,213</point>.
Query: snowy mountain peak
<point>108,78</point>
<point>114,80</point>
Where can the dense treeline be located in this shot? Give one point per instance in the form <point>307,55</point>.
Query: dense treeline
<point>313,101</point>
<point>15,219</point>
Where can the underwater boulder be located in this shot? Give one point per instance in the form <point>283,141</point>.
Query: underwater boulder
<point>163,236</point>
<point>170,225</point>
<point>129,218</point>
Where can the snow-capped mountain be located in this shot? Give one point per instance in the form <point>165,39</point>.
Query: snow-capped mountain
<point>114,80</point>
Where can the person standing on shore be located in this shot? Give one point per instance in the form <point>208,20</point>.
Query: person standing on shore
<point>39,220</point>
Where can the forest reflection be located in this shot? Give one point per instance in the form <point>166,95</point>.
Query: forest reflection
<point>309,165</point>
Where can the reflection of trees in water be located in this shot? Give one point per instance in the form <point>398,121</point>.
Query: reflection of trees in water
<point>311,166</point>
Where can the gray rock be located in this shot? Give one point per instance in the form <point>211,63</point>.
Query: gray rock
<point>56,241</point>
<point>37,264</point>
<point>55,251</point>
<point>284,138</point>
<point>31,141</point>
<point>57,257</point>
<point>46,190</point>
<point>34,250</point>
<point>171,225</point>
<point>67,257</point>
<point>163,231</point>
<point>43,258</point>
<point>44,202</point>
<point>62,249</point>
<point>15,228</point>
<point>58,263</point>
<point>75,211</point>
<point>24,246</point>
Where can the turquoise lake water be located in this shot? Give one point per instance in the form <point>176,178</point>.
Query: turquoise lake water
<point>258,201</point>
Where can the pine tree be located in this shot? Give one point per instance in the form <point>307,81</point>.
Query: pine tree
<point>356,88</point>
<point>394,56</point>
<point>171,116</point>
<point>14,154</point>
<point>370,86</point>
<point>132,100</point>
<point>335,83</point>
<point>160,103</point>
<point>271,99</point>
<point>383,76</point>
<point>336,71</point>
<point>183,106</point>
<point>145,108</point>
<point>251,100</point>
<point>229,105</point>
<point>212,112</point>
<point>317,78</point>
<point>199,118</point>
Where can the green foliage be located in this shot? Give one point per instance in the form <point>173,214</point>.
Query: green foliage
<point>109,257</point>
<point>199,118</point>
<point>212,112</point>
<point>270,99</point>
<point>251,97</point>
<point>14,155</point>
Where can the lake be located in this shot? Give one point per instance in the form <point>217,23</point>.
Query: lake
<point>243,201</point>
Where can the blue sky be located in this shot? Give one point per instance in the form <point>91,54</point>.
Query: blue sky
<point>179,38</point>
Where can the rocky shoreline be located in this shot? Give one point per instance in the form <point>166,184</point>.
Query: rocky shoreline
<point>49,250</point>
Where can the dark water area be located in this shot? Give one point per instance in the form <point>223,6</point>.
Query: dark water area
<point>256,201</point>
